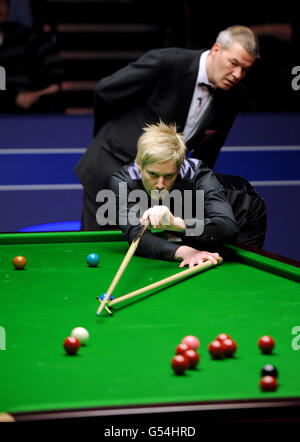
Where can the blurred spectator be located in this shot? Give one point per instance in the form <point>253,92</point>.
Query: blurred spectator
<point>20,12</point>
<point>31,13</point>
<point>33,72</point>
<point>42,20</point>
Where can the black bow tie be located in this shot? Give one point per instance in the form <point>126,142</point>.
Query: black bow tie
<point>208,86</point>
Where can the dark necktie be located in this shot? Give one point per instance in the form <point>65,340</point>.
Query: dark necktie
<point>208,86</point>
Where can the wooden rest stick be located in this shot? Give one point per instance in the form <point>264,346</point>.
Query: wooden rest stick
<point>173,278</point>
<point>106,308</point>
<point>122,267</point>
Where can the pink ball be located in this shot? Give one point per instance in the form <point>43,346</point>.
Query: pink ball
<point>191,341</point>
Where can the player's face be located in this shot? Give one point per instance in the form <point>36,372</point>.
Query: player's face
<point>158,177</point>
<point>230,65</point>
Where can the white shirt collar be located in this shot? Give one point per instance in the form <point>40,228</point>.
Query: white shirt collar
<point>202,75</point>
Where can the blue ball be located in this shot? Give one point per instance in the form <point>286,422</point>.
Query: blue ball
<point>103,296</point>
<point>93,259</point>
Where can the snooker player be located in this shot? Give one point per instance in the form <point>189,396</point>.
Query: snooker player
<point>232,210</point>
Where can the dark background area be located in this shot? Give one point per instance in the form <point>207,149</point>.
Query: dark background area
<point>130,27</point>
<point>97,37</point>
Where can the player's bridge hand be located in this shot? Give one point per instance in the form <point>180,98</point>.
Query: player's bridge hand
<point>159,217</point>
<point>198,257</point>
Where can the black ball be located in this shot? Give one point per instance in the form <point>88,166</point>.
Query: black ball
<point>269,370</point>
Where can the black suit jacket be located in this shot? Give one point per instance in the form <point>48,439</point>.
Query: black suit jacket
<point>157,86</point>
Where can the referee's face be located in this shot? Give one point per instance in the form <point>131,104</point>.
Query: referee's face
<point>158,177</point>
<point>226,67</point>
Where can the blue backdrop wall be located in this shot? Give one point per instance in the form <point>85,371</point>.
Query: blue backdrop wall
<point>38,186</point>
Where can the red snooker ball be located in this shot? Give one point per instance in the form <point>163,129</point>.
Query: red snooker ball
<point>193,357</point>
<point>230,347</point>
<point>266,344</point>
<point>19,262</point>
<point>179,363</point>
<point>71,345</point>
<point>268,383</point>
<point>216,349</point>
<point>181,348</point>
<point>222,336</point>
<point>192,341</point>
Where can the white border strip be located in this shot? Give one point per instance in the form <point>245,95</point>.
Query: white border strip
<point>80,187</point>
<point>41,187</point>
<point>82,150</point>
<point>258,148</point>
<point>40,151</point>
<point>276,183</point>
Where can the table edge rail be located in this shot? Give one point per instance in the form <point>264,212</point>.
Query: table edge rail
<point>278,408</point>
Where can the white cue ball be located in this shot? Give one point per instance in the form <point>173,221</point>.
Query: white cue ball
<point>81,334</point>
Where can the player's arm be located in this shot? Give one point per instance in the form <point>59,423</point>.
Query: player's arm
<point>160,217</point>
<point>219,223</point>
<point>153,246</point>
<point>125,88</point>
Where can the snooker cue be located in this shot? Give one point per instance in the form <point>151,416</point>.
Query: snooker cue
<point>6,417</point>
<point>122,267</point>
<point>173,278</point>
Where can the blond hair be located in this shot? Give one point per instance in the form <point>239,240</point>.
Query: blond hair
<point>241,34</point>
<point>160,143</point>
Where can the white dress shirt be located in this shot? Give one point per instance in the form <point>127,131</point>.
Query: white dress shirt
<point>200,100</point>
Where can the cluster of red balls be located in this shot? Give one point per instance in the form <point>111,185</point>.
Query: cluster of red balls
<point>186,355</point>
<point>223,346</point>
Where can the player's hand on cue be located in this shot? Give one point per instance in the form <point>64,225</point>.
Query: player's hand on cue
<point>192,257</point>
<point>160,217</point>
